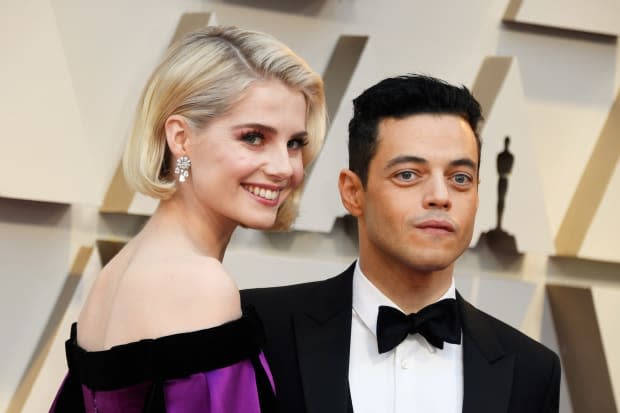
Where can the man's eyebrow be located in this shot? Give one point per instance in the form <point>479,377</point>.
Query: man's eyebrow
<point>405,159</point>
<point>464,162</point>
<point>416,159</point>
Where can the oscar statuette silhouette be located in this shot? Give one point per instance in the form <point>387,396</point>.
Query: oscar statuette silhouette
<point>497,239</point>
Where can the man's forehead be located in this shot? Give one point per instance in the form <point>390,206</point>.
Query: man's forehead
<point>437,130</point>
<point>432,143</point>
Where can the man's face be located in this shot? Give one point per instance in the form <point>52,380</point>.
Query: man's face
<point>418,208</point>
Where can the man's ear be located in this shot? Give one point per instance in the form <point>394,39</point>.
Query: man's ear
<point>478,193</point>
<point>177,134</point>
<point>351,192</point>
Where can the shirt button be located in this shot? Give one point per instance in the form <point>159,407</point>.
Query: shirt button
<point>404,365</point>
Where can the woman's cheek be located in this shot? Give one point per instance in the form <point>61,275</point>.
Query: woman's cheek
<point>298,173</point>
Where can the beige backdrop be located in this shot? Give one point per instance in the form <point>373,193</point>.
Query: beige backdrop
<point>547,75</point>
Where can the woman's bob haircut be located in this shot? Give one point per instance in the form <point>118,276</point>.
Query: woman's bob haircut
<point>200,78</point>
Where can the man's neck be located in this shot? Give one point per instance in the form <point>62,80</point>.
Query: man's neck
<point>409,288</point>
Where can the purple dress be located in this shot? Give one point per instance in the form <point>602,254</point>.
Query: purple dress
<point>216,370</point>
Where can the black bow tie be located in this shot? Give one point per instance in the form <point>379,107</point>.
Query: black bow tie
<point>437,323</point>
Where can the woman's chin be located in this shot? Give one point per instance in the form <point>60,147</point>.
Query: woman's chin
<point>259,224</point>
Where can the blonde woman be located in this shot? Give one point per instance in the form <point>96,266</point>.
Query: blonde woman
<point>224,129</point>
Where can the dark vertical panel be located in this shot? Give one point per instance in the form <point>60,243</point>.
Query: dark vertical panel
<point>49,333</point>
<point>512,10</point>
<point>119,195</point>
<point>108,249</point>
<point>340,68</point>
<point>190,22</point>
<point>592,186</point>
<point>489,81</point>
<point>581,349</point>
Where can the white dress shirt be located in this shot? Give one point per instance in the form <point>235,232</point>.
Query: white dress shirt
<point>413,377</point>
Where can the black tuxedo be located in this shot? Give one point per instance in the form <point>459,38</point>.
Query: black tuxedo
<point>308,329</point>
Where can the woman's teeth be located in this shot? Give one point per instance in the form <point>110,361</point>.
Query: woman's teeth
<point>262,192</point>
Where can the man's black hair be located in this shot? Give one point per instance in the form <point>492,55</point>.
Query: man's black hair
<point>399,97</point>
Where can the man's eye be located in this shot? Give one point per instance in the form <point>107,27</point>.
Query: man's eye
<point>406,175</point>
<point>253,138</point>
<point>462,179</point>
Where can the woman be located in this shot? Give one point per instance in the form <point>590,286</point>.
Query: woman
<point>223,131</point>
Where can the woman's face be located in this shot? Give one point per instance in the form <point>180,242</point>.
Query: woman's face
<point>245,163</point>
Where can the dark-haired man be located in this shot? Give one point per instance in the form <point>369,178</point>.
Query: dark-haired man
<point>391,333</point>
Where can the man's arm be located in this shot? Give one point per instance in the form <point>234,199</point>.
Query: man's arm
<point>552,396</point>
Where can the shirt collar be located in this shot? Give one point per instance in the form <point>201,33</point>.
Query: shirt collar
<point>367,298</point>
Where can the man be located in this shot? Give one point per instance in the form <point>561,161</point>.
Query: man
<point>345,344</point>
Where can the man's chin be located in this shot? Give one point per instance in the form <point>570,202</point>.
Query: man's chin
<point>433,264</point>
<point>429,269</point>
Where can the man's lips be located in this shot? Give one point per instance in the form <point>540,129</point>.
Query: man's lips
<point>436,225</point>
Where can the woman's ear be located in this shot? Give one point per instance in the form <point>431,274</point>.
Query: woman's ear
<point>351,192</point>
<point>177,134</point>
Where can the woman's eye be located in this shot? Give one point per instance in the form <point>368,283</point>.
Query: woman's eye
<point>253,138</point>
<point>296,143</point>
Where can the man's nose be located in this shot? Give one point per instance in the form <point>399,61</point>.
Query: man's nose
<point>437,195</point>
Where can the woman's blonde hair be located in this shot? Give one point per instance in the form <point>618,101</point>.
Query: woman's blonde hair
<point>201,77</point>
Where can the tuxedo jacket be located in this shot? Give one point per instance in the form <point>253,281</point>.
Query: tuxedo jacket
<point>308,334</point>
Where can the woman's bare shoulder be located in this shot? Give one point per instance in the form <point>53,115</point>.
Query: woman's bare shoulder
<point>200,285</point>
<point>95,313</point>
<point>174,295</point>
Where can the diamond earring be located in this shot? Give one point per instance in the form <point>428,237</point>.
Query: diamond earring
<point>182,168</point>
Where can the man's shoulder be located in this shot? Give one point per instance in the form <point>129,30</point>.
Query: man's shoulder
<point>283,293</point>
<point>295,295</point>
<point>537,369</point>
<point>513,340</point>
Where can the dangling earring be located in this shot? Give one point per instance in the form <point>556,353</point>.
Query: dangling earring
<point>182,169</point>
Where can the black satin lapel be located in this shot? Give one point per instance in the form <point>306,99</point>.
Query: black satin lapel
<point>487,385</point>
<point>349,401</point>
<point>323,351</point>
<point>487,368</point>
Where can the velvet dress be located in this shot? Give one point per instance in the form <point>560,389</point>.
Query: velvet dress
<point>215,370</point>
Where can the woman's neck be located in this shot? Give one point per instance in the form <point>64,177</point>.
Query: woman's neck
<point>199,229</point>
